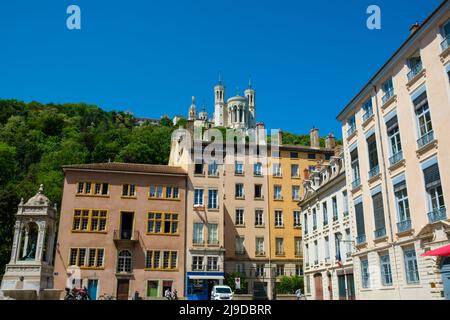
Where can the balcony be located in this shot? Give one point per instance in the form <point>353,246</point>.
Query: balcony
<point>356,183</point>
<point>325,223</point>
<point>367,115</point>
<point>446,43</point>
<point>125,237</point>
<point>374,171</point>
<point>425,139</point>
<point>213,242</point>
<point>361,239</point>
<point>379,233</point>
<point>415,71</point>
<point>240,252</point>
<point>335,218</point>
<point>346,213</point>
<point>404,225</point>
<point>351,130</point>
<point>437,215</point>
<point>396,158</point>
<point>389,94</point>
<point>259,253</point>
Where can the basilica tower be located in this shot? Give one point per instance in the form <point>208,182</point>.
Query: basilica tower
<point>220,112</point>
<point>250,96</point>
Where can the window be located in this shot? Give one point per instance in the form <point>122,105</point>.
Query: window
<point>316,253</point>
<point>311,156</point>
<point>365,276</point>
<point>129,190</point>
<point>423,118</point>
<point>86,257</point>
<point>327,247</point>
<point>401,198</point>
<point>298,270</point>
<point>279,218</point>
<point>153,260</point>
<point>325,213</point>
<point>124,262</point>
<point>386,274</point>
<point>279,246</point>
<point>368,109</point>
<point>314,219</point>
<point>307,255</point>
<point>213,263</point>
<point>412,271</point>
<point>198,233</point>
<point>337,246</point>
<point>335,209</point>
<point>152,288</point>
<point>348,242</point>
<point>388,90</point>
<point>345,200</point>
<point>88,220</point>
<point>280,270</point>
<point>212,169</point>
<point>212,199</point>
<point>197,263</point>
<point>298,246</point>
<point>276,170</point>
<point>239,245</point>
<point>259,270</point>
<point>294,155</point>
<point>297,222</point>
<point>295,170</point>
<point>198,170</point>
<point>446,35</point>
<point>257,169</point>
<point>277,193</point>
<point>305,225</point>
<point>415,66</point>
<point>373,156</point>
<point>240,217</point>
<point>355,168</point>
<point>239,167</point>
<point>259,218</point>
<point>258,191</point>
<point>360,228</point>
<point>162,223</point>
<point>351,126</point>
<point>213,234</point>
<point>240,268</point>
<point>163,192</point>
<point>93,188</point>
<point>198,197</point>
<point>378,211</point>
<point>259,244</point>
<point>239,190</point>
<point>296,193</point>
<point>435,196</point>
<point>394,140</point>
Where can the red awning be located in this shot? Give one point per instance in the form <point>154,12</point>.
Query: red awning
<point>441,252</point>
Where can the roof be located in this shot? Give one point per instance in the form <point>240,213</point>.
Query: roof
<point>128,167</point>
<point>396,53</point>
<point>295,147</point>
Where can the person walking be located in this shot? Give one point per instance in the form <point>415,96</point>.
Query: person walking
<point>168,294</point>
<point>298,294</point>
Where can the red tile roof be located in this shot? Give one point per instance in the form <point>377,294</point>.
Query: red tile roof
<point>128,167</point>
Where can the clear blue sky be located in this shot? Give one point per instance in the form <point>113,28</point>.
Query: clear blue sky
<point>307,59</point>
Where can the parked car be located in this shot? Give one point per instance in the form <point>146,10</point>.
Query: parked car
<point>221,293</point>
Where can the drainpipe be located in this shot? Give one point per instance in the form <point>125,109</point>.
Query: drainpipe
<point>387,191</point>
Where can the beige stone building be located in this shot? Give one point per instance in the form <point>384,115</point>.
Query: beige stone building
<point>122,230</point>
<point>396,153</point>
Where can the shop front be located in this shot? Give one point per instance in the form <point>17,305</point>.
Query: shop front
<point>200,284</point>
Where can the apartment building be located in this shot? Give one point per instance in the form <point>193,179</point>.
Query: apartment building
<point>395,141</point>
<point>122,230</point>
<point>327,233</point>
<point>287,166</point>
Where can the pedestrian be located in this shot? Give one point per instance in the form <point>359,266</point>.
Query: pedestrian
<point>175,295</point>
<point>298,294</point>
<point>168,294</point>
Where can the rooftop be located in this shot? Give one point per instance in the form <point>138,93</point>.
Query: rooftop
<point>128,167</point>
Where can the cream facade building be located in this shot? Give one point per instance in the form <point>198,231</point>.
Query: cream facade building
<point>327,229</point>
<point>396,154</point>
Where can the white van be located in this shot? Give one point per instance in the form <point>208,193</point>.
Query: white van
<point>221,293</point>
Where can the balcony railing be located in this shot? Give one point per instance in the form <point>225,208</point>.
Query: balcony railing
<point>396,158</point>
<point>367,115</point>
<point>404,225</point>
<point>374,171</point>
<point>425,139</point>
<point>213,242</point>
<point>389,94</point>
<point>379,233</point>
<point>356,183</point>
<point>437,215</point>
<point>325,223</point>
<point>361,239</point>
<point>351,130</point>
<point>446,43</point>
<point>240,252</point>
<point>346,213</point>
<point>335,218</point>
<point>125,235</point>
<point>415,71</point>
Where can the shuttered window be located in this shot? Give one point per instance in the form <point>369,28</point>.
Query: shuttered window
<point>378,211</point>
<point>359,213</point>
<point>432,176</point>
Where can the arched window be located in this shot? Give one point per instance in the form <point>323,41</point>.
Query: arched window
<point>124,262</point>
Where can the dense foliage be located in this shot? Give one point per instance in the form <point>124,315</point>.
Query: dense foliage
<point>288,285</point>
<point>230,281</point>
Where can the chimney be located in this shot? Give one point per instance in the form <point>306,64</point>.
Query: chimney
<point>314,135</point>
<point>414,28</point>
<point>330,142</point>
<point>280,137</point>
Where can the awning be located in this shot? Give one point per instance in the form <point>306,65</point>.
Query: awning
<point>440,252</point>
<point>212,277</point>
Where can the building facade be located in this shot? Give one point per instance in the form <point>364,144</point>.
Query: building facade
<point>395,137</point>
<point>327,230</point>
<point>286,172</point>
<point>122,230</point>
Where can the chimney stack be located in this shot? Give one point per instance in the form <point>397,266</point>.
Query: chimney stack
<point>314,135</point>
<point>414,27</point>
<point>330,142</point>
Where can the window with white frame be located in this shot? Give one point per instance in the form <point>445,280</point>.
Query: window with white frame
<point>240,217</point>
<point>327,247</point>
<point>213,233</point>
<point>423,118</point>
<point>212,199</point>
<point>197,263</point>
<point>257,169</point>
<point>213,169</point>
<point>259,244</point>
<point>295,170</point>
<point>297,215</point>
<point>259,217</point>
<point>325,213</point>
<point>395,143</point>
<point>259,270</point>
<point>239,245</point>
<point>279,218</point>
<point>276,169</point>
<point>298,246</point>
<point>239,167</point>
<point>386,273</point>
<point>198,233</point>
<point>401,198</point>
<point>124,262</point>
<point>239,190</point>
<point>277,192</point>
<point>296,193</point>
<point>198,197</point>
<point>212,263</point>
<point>433,188</point>
<point>280,270</point>
<point>279,246</point>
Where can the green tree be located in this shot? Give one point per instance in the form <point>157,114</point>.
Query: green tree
<point>230,281</point>
<point>289,284</point>
<point>7,162</point>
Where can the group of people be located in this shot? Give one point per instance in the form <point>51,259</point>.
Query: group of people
<point>171,295</point>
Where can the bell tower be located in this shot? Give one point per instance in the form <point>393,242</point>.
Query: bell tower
<point>220,112</point>
<point>31,264</point>
<point>250,96</point>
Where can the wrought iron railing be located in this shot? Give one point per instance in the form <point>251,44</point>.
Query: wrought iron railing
<point>379,233</point>
<point>415,71</point>
<point>374,171</point>
<point>388,94</point>
<point>361,239</point>
<point>404,225</point>
<point>446,43</point>
<point>425,139</point>
<point>437,215</point>
<point>396,158</point>
<point>356,183</point>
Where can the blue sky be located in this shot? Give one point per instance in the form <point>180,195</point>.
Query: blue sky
<point>307,59</point>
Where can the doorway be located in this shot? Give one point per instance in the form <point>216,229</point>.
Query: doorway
<point>351,287</point>
<point>123,287</point>
<point>318,286</point>
<point>92,289</point>
<point>126,225</point>
<point>445,271</point>
<point>330,287</point>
